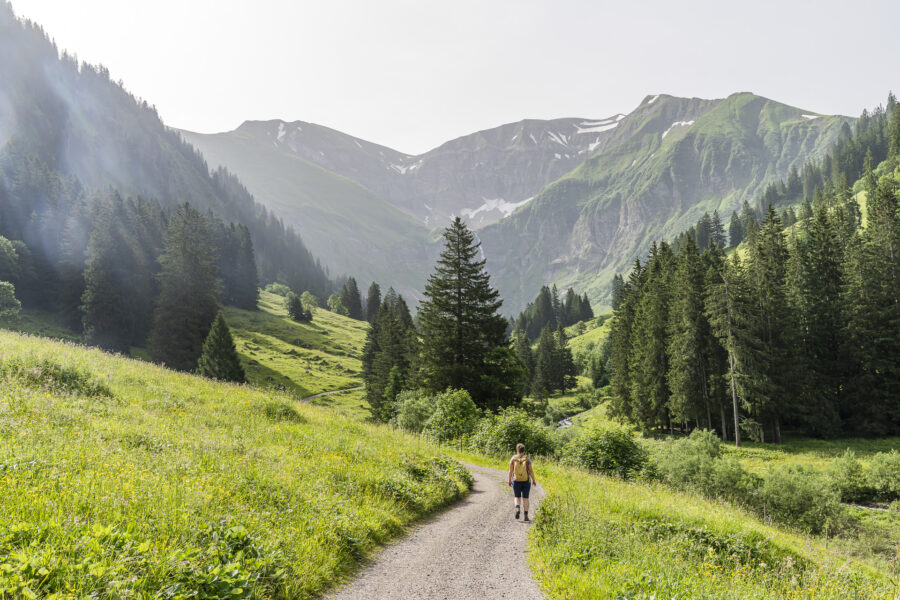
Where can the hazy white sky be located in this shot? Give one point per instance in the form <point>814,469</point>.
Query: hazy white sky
<point>412,74</point>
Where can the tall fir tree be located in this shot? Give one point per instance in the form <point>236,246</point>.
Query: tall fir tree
<point>219,358</point>
<point>543,382</point>
<point>463,335</point>
<point>189,291</point>
<point>351,298</point>
<point>522,348</point>
<point>373,301</point>
<point>566,370</point>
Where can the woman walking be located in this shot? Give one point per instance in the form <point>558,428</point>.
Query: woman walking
<point>521,478</point>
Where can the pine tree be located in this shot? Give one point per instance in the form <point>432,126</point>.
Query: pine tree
<point>688,332</point>
<point>565,368</point>
<point>373,301</point>
<point>717,231</point>
<point>246,289</point>
<point>620,342</point>
<point>544,377</point>
<point>617,291</point>
<point>522,348</point>
<point>648,361</point>
<point>189,291</point>
<point>388,355</point>
<point>350,297</point>
<point>219,359</point>
<point>463,336</point>
<point>735,230</point>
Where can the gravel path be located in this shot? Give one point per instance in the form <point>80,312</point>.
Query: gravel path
<point>472,551</point>
<point>320,394</point>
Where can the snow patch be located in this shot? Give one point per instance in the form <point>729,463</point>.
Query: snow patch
<point>676,124</point>
<point>596,126</point>
<point>514,138</point>
<point>531,135</point>
<point>281,132</point>
<point>593,145</point>
<point>653,99</point>
<point>491,204</point>
<point>810,116</point>
<point>358,145</point>
<point>558,138</point>
<point>556,154</point>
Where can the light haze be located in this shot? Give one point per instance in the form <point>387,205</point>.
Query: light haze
<point>413,74</point>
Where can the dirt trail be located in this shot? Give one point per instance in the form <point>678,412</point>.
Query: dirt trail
<point>320,394</point>
<point>472,551</point>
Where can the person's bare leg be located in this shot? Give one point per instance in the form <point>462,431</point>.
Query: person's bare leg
<point>525,504</point>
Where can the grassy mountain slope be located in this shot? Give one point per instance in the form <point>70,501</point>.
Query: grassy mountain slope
<point>303,358</point>
<point>670,161</point>
<point>352,229</point>
<point>122,479</point>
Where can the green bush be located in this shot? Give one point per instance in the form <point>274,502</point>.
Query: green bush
<point>884,475</point>
<point>800,497</point>
<point>413,408</point>
<point>608,450</point>
<point>279,289</point>
<point>850,479</point>
<point>454,417</point>
<point>696,463</point>
<point>499,434</point>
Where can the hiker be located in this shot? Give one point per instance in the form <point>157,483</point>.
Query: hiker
<point>521,476</point>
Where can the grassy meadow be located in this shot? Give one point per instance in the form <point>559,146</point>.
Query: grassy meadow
<point>120,479</point>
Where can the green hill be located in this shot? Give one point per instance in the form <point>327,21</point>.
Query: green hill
<point>123,479</point>
<point>342,220</point>
<point>303,358</point>
<point>670,161</point>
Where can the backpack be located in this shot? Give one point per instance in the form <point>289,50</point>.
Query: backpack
<point>520,468</point>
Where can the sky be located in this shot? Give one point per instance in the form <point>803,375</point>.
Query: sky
<point>412,74</point>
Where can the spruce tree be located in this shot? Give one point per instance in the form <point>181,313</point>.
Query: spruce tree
<point>373,301</point>
<point>620,342</point>
<point>688,331</point>
<point>463,336</point>
<point>522,348</point>
<point>219,359</point>
<point>189,291</point>
<point>543,382</point>
<point>350,297</point>
<point>565,368</point>
<point>735,230</point>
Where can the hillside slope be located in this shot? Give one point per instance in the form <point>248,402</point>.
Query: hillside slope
<point>353,230</point>
<point>124,479</point>
<point>669,161</point>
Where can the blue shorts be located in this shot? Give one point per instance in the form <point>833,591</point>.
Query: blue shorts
<point>521,488</point>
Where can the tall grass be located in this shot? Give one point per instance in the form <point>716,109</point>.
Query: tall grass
<point>131,481</point>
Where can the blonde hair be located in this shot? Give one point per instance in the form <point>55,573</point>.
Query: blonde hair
<point>520,448</point>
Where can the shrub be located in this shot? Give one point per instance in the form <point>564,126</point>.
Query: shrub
<point>413,408</point>
<point>295,308</point>
<point>455,416</point>
<point>799,497</point>
<point>696,463</point>
<point>849,479</point>
<point>609,450</point>
<point>278,289</point>
<point>884,475</point>
<point>499,434</point>
<point>282,411</point>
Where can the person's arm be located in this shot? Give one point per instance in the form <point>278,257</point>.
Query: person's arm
<point>531,473</point>
<point>509,479</point>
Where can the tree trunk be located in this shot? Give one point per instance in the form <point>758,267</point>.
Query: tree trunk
<point>776,429</point>
<point>724,423</point>
<point>734,402</point>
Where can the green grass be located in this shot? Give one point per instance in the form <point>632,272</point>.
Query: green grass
<point>304,358</point>
<point>40,323</point>
<point>120,479</point>
<point>595,333</point>
<point>602,538</point>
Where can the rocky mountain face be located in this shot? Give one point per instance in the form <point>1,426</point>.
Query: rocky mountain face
<point>569,201</point>
<point>666,163</point>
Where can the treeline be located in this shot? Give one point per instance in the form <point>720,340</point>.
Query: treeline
<point>458,341</point>
<point>799,332</point>
<point>551,367</point>
<point>548,309</point>
<point>831,177</point>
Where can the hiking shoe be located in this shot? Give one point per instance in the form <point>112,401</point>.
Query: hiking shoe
<point>517,514</point>
<point>526,519</point>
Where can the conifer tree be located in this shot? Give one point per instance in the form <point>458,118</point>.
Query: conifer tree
<point>351,299</point>
<point>542,383</point>
<point>735,230</point>
<point>373,301</point>
<point>522,348</point>
<point>617,291</point>
<point>219,359</point>
<point>688,331</point>
<point>620,341</point>
<point>648,360</point>
<point>565,368</point>
<point>189,291</point>
<point>463,336</point>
